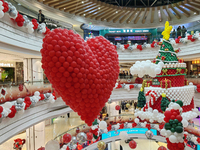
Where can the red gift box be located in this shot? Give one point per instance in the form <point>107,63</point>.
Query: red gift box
<point>181,60</point>
<point>185,81</point>
<point>165,83</point>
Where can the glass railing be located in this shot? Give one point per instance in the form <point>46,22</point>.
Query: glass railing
<point>110,120</point>
<point>192,129</point>
<point>31,14</point>
<point>11,91</point>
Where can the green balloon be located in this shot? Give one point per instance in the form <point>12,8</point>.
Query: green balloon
<point>180,124</point>
<point>172,130</point>
<point>171,121</point>
<point>167,126</point>
<point>179,129</point>
<point>174,126</point>
<point>176,121</point>
<point>180,103</point>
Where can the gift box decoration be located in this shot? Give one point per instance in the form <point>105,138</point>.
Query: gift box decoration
<point>165,83</point>
<point>185,81</point>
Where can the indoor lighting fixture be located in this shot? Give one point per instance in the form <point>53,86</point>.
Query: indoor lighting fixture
<point>99,8</point>
<point>116,11</point>
<point>195,13</point>
<point>83,14</point>
<point>82,1</point>
<point>64,8</point>
<point>20,4</point>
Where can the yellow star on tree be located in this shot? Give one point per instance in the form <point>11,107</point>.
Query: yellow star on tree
<point>166,32</point>
<point>163,95</point>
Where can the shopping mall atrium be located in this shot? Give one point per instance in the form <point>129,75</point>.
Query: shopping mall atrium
<point>99,74</point>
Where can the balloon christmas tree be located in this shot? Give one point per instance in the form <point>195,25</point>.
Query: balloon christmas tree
<point>166,52</point>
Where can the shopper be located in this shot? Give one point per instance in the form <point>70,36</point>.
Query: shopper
<point>174,34</point>
<point>183,31</point>
<point>41,17</point>
<point>178,31</point>
<point>135,105</point>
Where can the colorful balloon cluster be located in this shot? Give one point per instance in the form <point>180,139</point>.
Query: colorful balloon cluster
<point>83,73</point>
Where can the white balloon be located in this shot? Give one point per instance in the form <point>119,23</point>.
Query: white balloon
<point>123,135</point>
<point>1,7</point>
<point>136,120</point>
<point>102,125</point>
<point>30,30</point>
<point>184,122</point>
<point>7,105</point>
<point>37,93</point>
<point>52,145</point>
<point>172,138</point>
<point>1,3</point>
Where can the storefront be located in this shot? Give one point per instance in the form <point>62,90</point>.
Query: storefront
<point>11,72</point>
<point>129,36</point>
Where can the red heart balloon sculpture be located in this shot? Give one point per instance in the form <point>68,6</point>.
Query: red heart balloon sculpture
<point>82,73</point>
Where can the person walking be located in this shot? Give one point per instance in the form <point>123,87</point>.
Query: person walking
<point>174,34</point>
<point>178,31</point>
<point>183,31</point>
<point>41,17</point>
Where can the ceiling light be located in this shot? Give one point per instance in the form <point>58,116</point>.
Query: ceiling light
<point>116,11</point>
<point>99,8</point>
<point>20,4</point>
<point>82,1</point>
<point>64,8</point>
<point>195,13</point>
<point>83,14</point>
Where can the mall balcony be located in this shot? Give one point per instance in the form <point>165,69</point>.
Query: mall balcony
<point>21,73</point>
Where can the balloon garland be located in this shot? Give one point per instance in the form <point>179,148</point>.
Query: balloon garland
<point>9,109</point>
<point>22,20</point>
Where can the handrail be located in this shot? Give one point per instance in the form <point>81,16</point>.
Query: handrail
<point>119,116</point>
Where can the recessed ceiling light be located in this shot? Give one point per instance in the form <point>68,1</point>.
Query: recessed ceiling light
<point>195,13</point>
<point>82,1</point>
<point>83,14</point>
<point>104,19</point>
<point>64,8</point>
<point>116,11</point>
<point>99,8</point>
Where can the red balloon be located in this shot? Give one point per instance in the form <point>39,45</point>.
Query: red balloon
<point>67,138</point>
<point>89,136</point>
<point>167,113</point>
<point>117,107</point>
<point>83,73</point>
<point>132,144</point>
<point>1,109</point>
<point>162,148</point>
<point>179,118</point>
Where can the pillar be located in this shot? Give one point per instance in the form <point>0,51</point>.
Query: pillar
<point>33,69</point>
<point>111,109</point>
<point>35,136</point>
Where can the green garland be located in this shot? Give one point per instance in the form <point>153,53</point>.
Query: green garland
<point>171,75</point>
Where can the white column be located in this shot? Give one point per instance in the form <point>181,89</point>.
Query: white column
<point>37,70</point>
<point>111,109</point>
<point>39,135</point>
<point>115,145</point>
<point>27,65</point>
<point>35,136</point>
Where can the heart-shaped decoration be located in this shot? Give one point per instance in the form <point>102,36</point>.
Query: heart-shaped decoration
<point>82,73</point>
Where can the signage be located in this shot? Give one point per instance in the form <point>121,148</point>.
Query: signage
<point>7,65</point>
<point>106,31</point>
<point>155,82</point>
<point>129,131</point>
